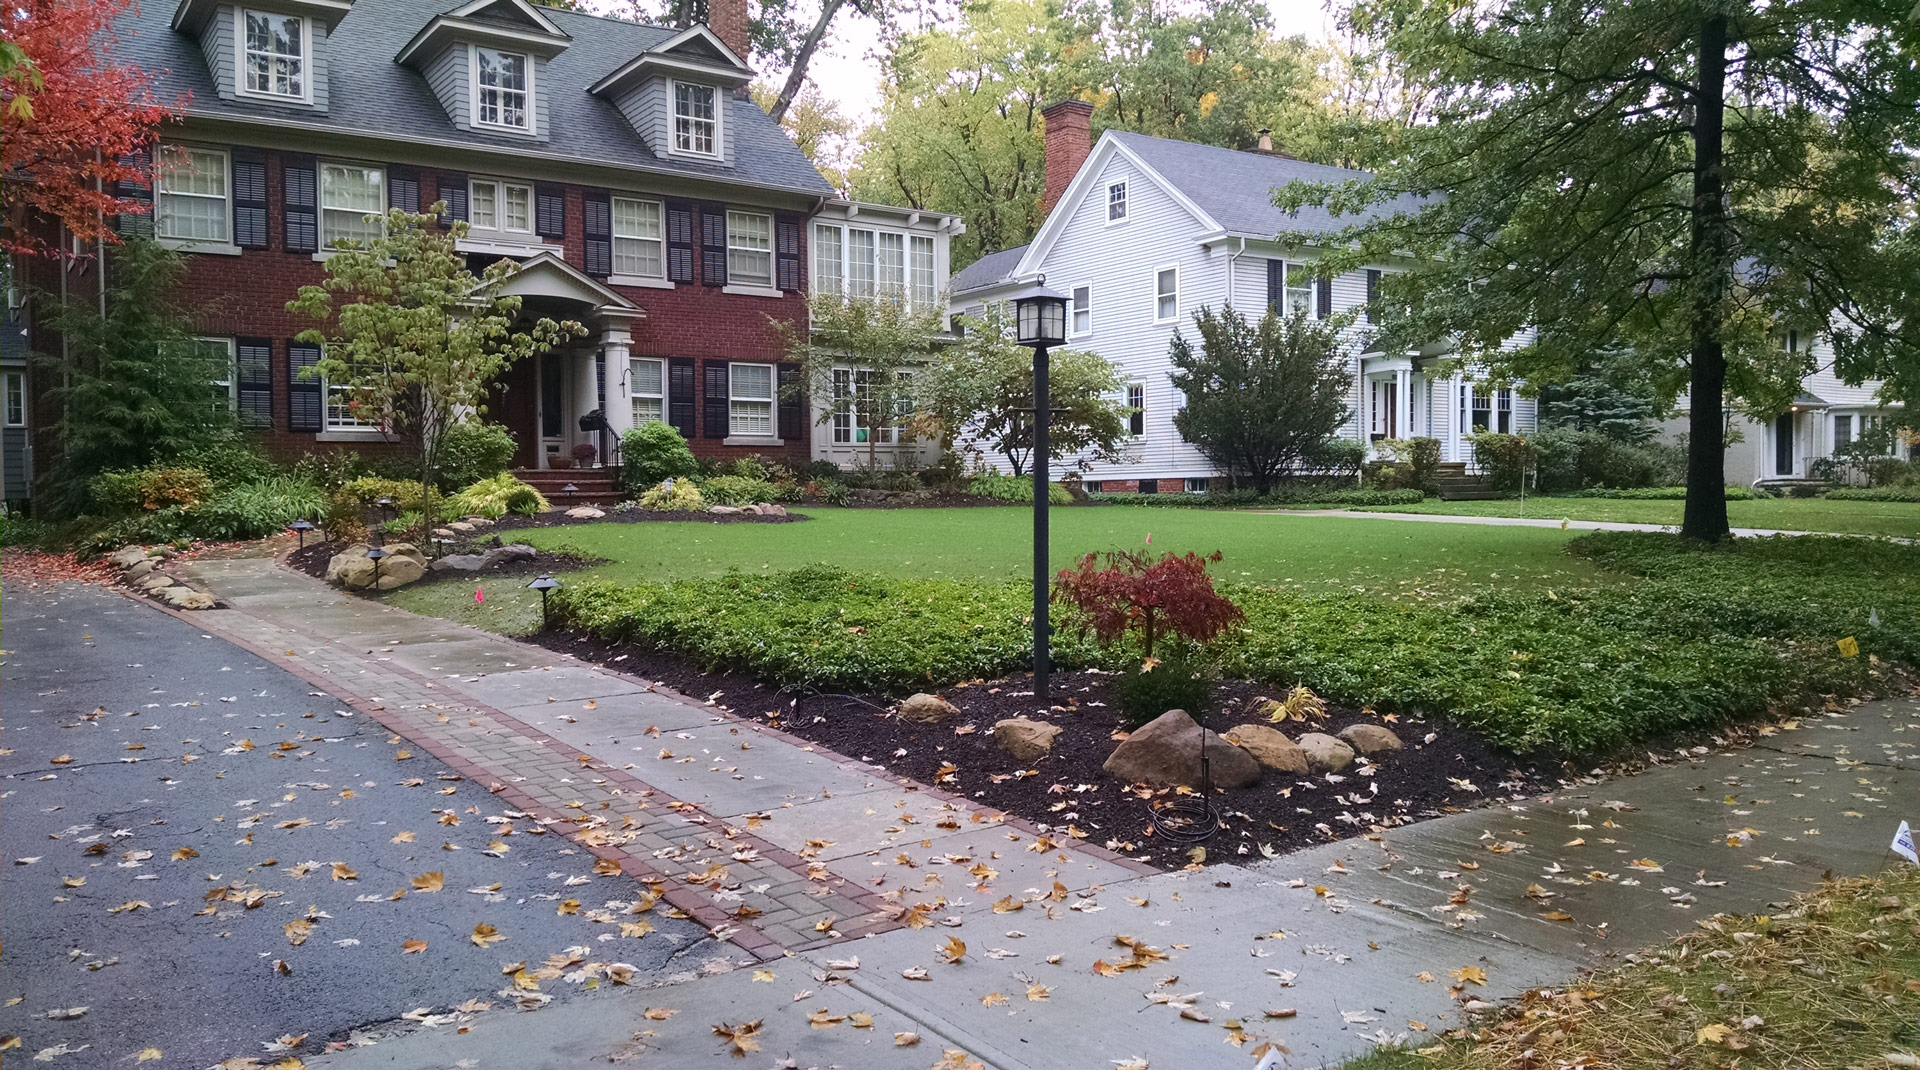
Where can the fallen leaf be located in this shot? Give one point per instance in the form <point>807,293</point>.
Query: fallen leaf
<point>660,1014</point>
<point>485,935</point>
<point>741,1038</point>
<point>298,930</point>
<point>343,872</point>
<point>181,854</point>
<point>413,947</point>
<point>900,1040</point>
<point>953,951</point>
<point>430,882</point>
<point>1470,975</point>
<point>764,976</point>
<point>148,1055</point>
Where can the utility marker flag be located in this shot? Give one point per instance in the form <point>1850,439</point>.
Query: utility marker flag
<point>479,595</point>
<point>1903,844</point>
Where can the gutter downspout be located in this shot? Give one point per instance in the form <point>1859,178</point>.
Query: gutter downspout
<point>1233,259</point>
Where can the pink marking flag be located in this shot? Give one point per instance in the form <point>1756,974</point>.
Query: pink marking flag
<point>479,595</point>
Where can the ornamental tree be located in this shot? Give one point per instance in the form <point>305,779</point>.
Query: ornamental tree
<point>1134,594</point>
<point>1262,399</point>
<point>415,340</point>
<point>861,355</point>
<point>71,114</point>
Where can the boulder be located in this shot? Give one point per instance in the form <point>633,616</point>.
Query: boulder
<point>513,551</point>
<point>154,582</point>
<point>462,526</point>
<point>1369,738</point>
<point>750,510</point>
<point>128,556</point>
<point>184,598</point>
<point>1023,738</point>
<point>140,568</point>
<point>725,510</point>
<point>444,533</point>
<point>769,509</point>
<point>459,563</point>
<point>479,521</point>
<point>351,568</point>
<point>585,512</point>
<point>1270,747</point>
<point>1165,753</point>
<point>927,709</point>
<point>404,564</point>
<point>1325,754</point>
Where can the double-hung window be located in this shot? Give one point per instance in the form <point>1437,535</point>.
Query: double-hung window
<point>273,55</point>
<point>829,259</point>
<point>639,243</point>
<point>1117,202</point>
<point>750,400</point>
<point>1299,291</point>
<point>192,199</point>
<point>502,89</point>
<point>855,419</point>
<point>353,201</point>
<point>696,119</point>
<point>1137,419</point>
<point>920,271</point>
<point>504,208</point>
<point>647,382</point>
<point>217,357</point>
<point>860,263</point>
<point>1082,308</point>
<point>1166,295</point>
<point>16,399</point>
<point>892,265</point>
<point>347,409</point>
<point>750,248</point>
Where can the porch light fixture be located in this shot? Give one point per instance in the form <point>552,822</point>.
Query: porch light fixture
<point>1040,322</point>
<point>544,584</point>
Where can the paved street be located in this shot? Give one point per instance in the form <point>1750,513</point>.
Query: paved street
<point>868,922</point>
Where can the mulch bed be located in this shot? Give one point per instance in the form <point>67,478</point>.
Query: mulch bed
<point>1440,770</point>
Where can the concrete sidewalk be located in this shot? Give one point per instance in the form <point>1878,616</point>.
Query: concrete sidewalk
<point>1100,962</point>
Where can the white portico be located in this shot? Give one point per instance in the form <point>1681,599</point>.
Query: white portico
<point>543,401</point>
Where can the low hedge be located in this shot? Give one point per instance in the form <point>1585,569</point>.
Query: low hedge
<point>1661,494</point>
<point>1909,493</point>
<point>1279,498</point>
<point>1706,636</point>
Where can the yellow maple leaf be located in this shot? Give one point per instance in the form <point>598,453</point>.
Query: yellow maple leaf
<point>344,872</point>
<point>298,930</point>
<point>568,906</point>
<point>485,935</point>
<point>148,1055</point>
<point>181,854</point>
<point>430,882</point>
<point>1470,975</point>
<point>953,951</point>
<point>1716,1033</point>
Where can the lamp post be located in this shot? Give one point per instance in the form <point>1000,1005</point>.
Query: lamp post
<point>1040,322</point>
<point>544,584</point>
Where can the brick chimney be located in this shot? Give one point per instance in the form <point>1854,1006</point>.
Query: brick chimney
<point>728,21</point>
<point>1069,140</point>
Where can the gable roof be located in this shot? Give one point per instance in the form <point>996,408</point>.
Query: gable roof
<point>988,271</point>
<point>370,96</point>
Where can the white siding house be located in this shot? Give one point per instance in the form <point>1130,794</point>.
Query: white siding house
<point>1151,230</point>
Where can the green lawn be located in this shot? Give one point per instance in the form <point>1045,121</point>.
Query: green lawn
<point>1778,514</point>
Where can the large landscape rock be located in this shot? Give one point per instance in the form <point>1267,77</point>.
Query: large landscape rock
<point>1165,753</point>
<point>1325,754</point>
<point>459,563</point>
<point>1369,738</point>
<point>513,551</point>
<point>128,556</point>
<point>184,598</point>
<point>1270,747</point>
<point>724,510</point>
<point>1024,738</point>
<point>352,569</point>
<point>769,509</point>
<point>585,512</point>
<point>140,568</point>
<point>927,709</point>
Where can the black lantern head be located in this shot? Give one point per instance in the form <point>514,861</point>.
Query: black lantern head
<point>1039,316</point>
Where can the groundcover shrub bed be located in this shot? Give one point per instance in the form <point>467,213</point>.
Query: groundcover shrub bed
<point>1706,637</point>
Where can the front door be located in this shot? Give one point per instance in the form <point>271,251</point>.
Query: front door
<point>1783,445</point>
<point>1385,403</point>
<point>553,406</point>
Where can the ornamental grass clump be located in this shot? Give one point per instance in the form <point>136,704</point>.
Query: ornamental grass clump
<point>1170,600</point>
<point>496,497</point>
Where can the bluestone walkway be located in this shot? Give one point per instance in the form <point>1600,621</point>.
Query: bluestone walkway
<point>1361,940</point>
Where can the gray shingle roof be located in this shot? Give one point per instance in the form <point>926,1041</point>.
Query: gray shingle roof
<point>988,270</point>
<point>370,93</point>
<point>1236,188</point>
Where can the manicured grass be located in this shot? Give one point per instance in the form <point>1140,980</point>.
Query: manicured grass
<point>1825,985</point>
<point>1379,556</point>
<point>1775,514</point>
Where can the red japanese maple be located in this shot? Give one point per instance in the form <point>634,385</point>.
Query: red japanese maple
<point>85,116</point>
<point>1133,593</point>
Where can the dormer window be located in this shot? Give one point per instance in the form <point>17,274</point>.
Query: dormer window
<point>502,88</point>
<point>273,56</point>
<point>696,119</point>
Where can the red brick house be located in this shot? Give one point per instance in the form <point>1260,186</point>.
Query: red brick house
<point>621,165</point>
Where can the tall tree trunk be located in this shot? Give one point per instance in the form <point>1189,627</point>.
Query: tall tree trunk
<point>1711,271</point>
<point>797,77</point>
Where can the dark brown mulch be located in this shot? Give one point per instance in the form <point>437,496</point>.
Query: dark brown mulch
<point>1440,770</point>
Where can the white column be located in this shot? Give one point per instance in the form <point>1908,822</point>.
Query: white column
<point>616,343</point>
<point>1403,423</point>
<point>586,396</point>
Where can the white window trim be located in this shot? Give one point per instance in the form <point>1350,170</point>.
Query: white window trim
<point>320,201</point>
<point>1126,203</point>
<point>1126,399</point>
<point>196,245</point>
<point>233,367</point>
<point>1287,269</point>
<point>773,404</point>
<point>473,93</point>
<point>753,287</point>
<point>615,238</point>
<point>500,231</point>
<point>240,59</point>
<point>1175,318</point>
<point>14,385</point>
<point>634,394</point>
<point>1087,286</point>
<point>813,256</point>
<point>719,121</point>
<point>895,434</point>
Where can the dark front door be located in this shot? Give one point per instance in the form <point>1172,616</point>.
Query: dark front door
<point>1783,445</point>
<point>513,406</point>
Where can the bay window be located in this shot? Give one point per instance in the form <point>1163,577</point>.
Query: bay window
<point>863,263</point>
<point>750,400</point>
<point>892,264</point>
<point>828,259</point>
<point>921,271</point>
<point>854,413</point>
<point>860,263</point>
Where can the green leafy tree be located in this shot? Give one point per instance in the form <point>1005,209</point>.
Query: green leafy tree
<point>1262,398</point>
<point>1682,178</point>
<point>976,396</point>
<point>818,128</point>
<point>413,337</point>
<point>134,388</point>
<point>862,355</point>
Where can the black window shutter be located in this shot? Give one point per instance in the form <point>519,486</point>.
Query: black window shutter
<point>304,403</point>
<point>597,225</point>
<point>681,389</point>
<point>403,188</point>
<point>679,241</point>
<point>550,212</point>
<point>786,253</point>
<point>254,372</point>
<point>250,198</point>
<point>300,204</point>
<point>1373,291</point>
<point>1277,286</point>
<point>1323,306</point>
<point>713,245</point>
<point>138,188</point>
<point>716,416</point>
<point>791,405</point>
<point>453,190</point>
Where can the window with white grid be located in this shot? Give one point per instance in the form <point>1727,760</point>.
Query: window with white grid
<point>192,200</point>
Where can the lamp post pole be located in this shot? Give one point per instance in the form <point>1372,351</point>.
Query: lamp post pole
<point>1042,627</point>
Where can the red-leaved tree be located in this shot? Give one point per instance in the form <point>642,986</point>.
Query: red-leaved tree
<point>61,151</point>
<point>1133,593</point>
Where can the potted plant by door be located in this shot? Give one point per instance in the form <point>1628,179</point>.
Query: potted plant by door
<point>559,461</point>
<point>583,455</point>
